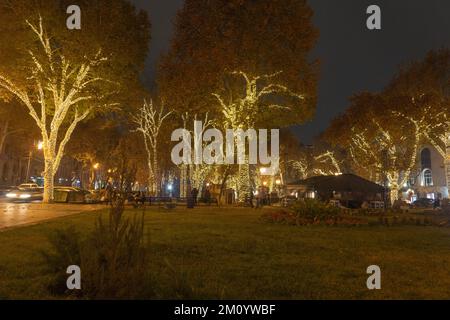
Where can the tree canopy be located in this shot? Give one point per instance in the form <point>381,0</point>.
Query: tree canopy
<point>214,39</point>
<point>107,26</point>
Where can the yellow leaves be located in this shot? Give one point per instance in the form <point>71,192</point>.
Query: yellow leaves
<point>222,35</point>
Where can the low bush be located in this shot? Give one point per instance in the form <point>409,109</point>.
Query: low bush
<point>313,210</point>
<point>113,258</point>
<point>65,251</point>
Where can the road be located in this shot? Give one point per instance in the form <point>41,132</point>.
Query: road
<point>18,214</point>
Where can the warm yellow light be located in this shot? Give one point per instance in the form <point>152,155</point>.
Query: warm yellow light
<point>40,145</point>
<point>278,182</point>
<point>265,183</point>
<point>263,170</point>
<point>97,165</point>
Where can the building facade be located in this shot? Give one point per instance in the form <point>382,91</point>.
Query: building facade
<point>431,177</point>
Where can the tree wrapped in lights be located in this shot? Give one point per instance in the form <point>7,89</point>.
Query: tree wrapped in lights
<point>330,164</point>
<point>427,84</point>
<point>323,164</point>
<point>237,49</point>
<point>383,156</point>
<point>247,107</point>
<point>149,122</point>
<point>195,174</point>
<point>60,93</point>
<point>382,146</point>
<point>70,74</point>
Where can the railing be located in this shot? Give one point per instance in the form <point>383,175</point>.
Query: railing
<point>173,200</point>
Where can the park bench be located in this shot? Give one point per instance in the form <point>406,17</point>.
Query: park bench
<point>172,202</point>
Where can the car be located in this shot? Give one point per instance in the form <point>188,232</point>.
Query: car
<point>73,195</point>
<point>423,203</point>
<point>28,186</point>
<point>25,194</point>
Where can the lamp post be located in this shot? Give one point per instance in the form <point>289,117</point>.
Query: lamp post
<point>95,167</point>
<point>278,184</point>
<point>39,146</point>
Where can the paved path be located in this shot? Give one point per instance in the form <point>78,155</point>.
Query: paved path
<point>17,214</point>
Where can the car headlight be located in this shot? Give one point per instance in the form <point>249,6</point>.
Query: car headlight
<point>11,195</point>
<point>25,196</point>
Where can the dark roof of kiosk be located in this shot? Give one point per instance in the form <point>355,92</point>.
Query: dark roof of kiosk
<point>340,183</point>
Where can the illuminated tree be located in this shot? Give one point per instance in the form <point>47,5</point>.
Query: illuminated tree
<point>61,90</point>
<point>382,146</point>
<point>196,173</point>
<point>244,62</point>
<point>63,77</point>
<point>427,84</point>
<point>149,122</point>
<point>253,38</point>
<point>322,164</point>
<point>246,109</point>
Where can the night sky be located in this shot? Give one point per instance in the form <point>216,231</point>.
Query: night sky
<point>352,57</point>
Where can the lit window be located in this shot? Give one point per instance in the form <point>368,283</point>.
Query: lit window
<point>427,178</point>
<point>425,158</point>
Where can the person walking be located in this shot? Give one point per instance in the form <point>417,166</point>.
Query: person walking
<point>207,196</point>
<point>194,194</point>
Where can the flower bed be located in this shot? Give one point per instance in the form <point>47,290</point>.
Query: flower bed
<point>313,212</point>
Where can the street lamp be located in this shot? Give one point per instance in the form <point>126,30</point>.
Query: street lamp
<point>278,184</point>
<point>39,146</point>
<point>96,166</point>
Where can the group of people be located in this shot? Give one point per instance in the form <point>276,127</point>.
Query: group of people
<point>259,198</point>
<point>206,195</point>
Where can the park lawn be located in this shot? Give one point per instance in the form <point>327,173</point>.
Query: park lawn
<point>228,253</point>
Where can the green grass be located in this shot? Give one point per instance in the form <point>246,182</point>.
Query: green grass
<point>229,253</point>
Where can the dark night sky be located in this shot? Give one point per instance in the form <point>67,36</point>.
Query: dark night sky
<point>352,57</point>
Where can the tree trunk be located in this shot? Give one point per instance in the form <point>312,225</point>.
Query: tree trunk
<point>447,160</point>
<point>183,181</point>
<point>244,182</point>
<point>3,133</point>
<point>394,186</point>
<point>224,181</point>
<point>49,177</point>
<point>151,178</point>
<point>156,174</point>
<point>394,193</point>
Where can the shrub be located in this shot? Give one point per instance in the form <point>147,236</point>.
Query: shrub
<point>66,252</point>
<point>314,210</point>
<point>113,258</point>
